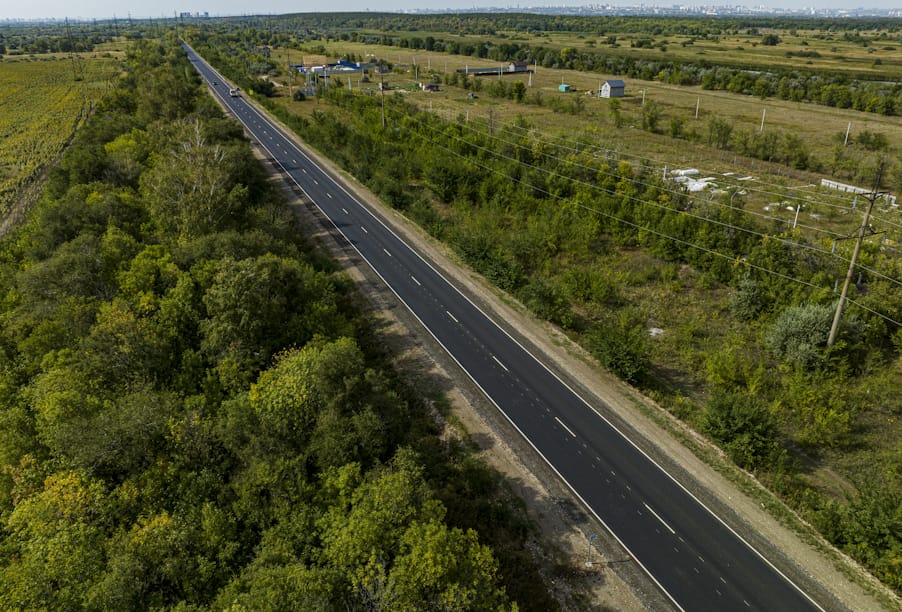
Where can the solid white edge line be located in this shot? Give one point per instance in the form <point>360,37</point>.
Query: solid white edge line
<point>528,352</point>
<point>498,361</point>
<point>569,431</point>
<point>657,516</point>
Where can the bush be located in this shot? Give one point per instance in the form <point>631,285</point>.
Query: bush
<point>621,345</point>
<point>745,428</point>
<point>298,95</point>
<point>747,300</point>
<point>799,335</point>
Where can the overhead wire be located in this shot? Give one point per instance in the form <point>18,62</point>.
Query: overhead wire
<point>824,197</point>
<point>759,234</point>
<point>630,223</point>
<point>833,234</point>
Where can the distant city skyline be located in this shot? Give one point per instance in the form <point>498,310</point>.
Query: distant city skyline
<point>105,9</point>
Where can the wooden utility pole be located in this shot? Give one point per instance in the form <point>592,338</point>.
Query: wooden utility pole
<point>861,233</point>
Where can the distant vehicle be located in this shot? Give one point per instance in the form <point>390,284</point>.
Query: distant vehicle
<point>215,83</point>
<point>235,92</point>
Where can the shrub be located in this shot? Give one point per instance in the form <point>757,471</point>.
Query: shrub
<point>621,345</point>
<point>745,428</point>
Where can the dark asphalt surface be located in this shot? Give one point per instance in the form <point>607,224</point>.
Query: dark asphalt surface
<point>698,561</point>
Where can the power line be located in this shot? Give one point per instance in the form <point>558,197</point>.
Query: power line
<point>635,225</point>
<point>785,241</point>
<point>824,197</point>
<point>678,193</point>
<point>675,191</point>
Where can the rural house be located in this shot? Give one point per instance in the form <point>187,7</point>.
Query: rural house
<point>612,89</point>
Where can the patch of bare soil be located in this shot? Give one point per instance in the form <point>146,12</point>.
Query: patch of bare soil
<point>614,581</point>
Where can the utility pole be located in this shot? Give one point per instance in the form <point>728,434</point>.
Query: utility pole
<point>290,70</point>
<point>861,233</point>
<point>382,91</point>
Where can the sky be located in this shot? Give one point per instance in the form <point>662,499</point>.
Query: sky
<point>102,9</point>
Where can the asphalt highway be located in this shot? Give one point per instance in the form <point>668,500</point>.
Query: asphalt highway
<point>694,557</point>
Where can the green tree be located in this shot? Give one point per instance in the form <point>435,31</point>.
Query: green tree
<point>614,111</point>
<point>256,306</point>
<point>438,568</point>
<point>55,544</point>
<point>518,91</point>
<point>195,188</point>
<point>651,116</point>
<point>288,398</point>
<point>719,132</point>
<point>747,300</point>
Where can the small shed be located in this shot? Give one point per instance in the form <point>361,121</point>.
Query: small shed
<point>612,89</point>
<point>429,86</point>
<point>563,87</point>
<point>518,67</point>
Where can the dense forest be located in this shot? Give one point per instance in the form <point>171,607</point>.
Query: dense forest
<point>194,411</point>
<point>597,244</point>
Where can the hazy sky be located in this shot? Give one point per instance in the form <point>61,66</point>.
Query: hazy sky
<point>85,9</point>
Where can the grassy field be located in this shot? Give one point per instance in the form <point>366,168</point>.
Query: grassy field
<point>768,192</point>
<point>43,104</point>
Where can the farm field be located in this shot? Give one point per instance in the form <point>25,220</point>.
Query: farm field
<point>42,106</point>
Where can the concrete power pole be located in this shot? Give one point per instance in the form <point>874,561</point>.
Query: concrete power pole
<point>861,233</point>
<point>382,91</point>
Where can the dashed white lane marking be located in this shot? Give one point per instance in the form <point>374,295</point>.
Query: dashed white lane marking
<point>294,161</point>
<point>364,230</point>
<point>501,364</point>
<point>453,318</point>
<point>569,431</point>
<point>345,211</point>
<point>329,195</point>
<point>663,522</point>
<point>419,284</point>
<point>304,170</point>
<point>315,182</point>
<point>722,580</point>
<point>386,252</point>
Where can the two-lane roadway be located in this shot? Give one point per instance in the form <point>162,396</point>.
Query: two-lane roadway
<point>694,557</point>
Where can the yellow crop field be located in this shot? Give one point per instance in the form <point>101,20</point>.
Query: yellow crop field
<point>41,106</point>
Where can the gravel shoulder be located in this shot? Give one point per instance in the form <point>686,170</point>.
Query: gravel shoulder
<point>614,580</point>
